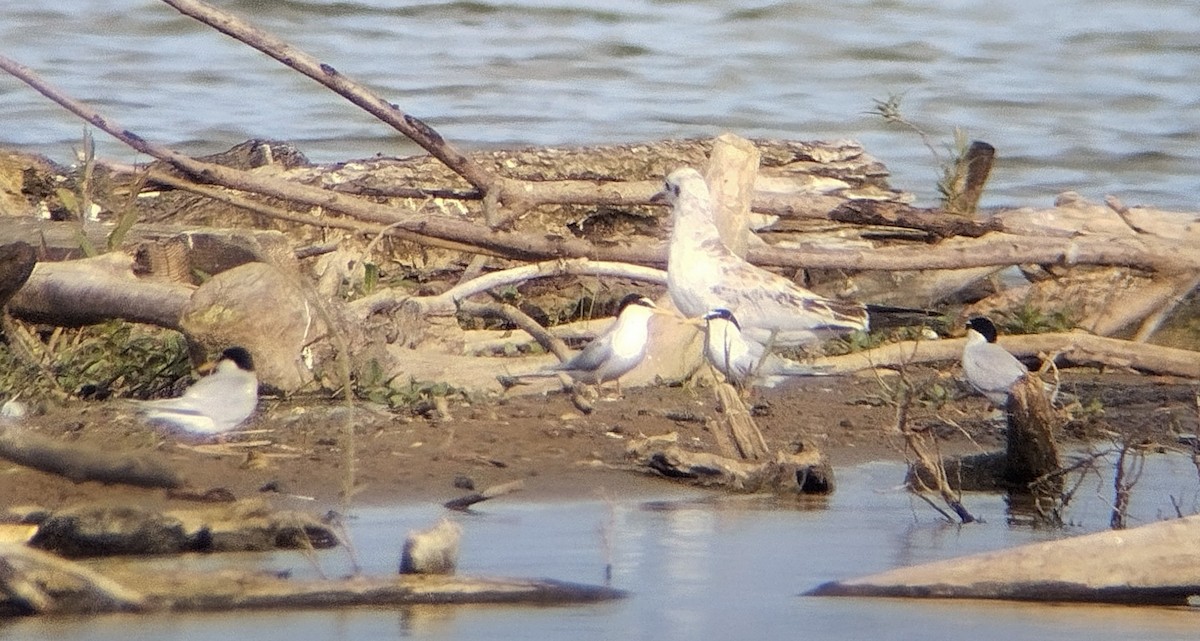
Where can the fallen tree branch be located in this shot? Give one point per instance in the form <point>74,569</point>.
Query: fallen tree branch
<point>995,249</point>
<point>885,213</point>
<point>548,341</point>
<point>264,209</point>
<point>1182,286</point>
<point>83,463</point>
<point>92,290</point>
<point>73,588</point>
<point>496,191</point>
<point>448,300</point>
<point>1077,348</point>
<point>416,130</point>
<point>63,586</point>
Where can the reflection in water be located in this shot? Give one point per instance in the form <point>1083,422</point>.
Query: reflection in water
<point>701,567</point>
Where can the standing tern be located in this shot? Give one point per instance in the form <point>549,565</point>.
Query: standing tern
<point>741,361</point>
<point>703,274</point>
<point>615,352</point>
<point>214,404</point>
<point>990,369</point>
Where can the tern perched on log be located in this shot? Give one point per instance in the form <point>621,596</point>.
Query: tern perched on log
<point>214,404</point>
<point>990,369</point>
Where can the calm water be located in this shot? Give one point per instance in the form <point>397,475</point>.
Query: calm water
<point>1098,96</point>
<point>699,569</point>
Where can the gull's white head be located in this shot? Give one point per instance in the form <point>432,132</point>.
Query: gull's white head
<point>682,185</point>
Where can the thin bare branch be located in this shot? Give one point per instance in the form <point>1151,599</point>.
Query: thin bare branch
<point>548,341</point>
<point>410,126</point>
<point>1122,211</point>
<point>1075,347</point>
<point>447,300</point>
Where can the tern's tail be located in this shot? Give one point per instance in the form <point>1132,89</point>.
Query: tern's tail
<point>885,316</point>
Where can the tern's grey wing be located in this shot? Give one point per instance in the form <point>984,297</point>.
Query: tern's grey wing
<point>227,397</point>
<point>990,368</point>
<point>181,404</point>
<point>591,358</point>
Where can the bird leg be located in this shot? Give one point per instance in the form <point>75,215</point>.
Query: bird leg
<point>766,351</point>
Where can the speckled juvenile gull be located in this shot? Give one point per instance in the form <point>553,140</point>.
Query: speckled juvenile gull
<point>703,274</point>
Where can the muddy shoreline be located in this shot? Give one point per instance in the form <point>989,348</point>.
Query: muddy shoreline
<point>292,453</point>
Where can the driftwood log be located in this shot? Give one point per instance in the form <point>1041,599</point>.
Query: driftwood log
<point>807,472</point>
<point>559,204</point>
<point>80,463</point>
<point>92,530</point>
<point>1031,453</point>
<point>16,263</point>
<point>1155,564</point>
<point>33,582</point>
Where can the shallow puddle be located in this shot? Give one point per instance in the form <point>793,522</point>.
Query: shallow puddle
<point>698,567</point>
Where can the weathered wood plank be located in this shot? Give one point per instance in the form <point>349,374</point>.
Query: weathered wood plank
<point>1156,564</point>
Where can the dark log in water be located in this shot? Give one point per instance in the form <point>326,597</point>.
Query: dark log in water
<point>36,582</point>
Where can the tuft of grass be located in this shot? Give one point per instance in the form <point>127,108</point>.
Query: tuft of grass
<point>375,386</point>
<point>116,358</point>
<point>1028,319</point>
<point>951,159</point>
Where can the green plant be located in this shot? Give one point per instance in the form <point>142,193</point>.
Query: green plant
<point>1028,319</point>
<point>114,358</point>
<point>953,160</point>
<point>376,386</point>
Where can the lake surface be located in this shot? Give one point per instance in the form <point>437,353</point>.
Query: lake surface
<point>1097,96</point>
<point>699,567</point>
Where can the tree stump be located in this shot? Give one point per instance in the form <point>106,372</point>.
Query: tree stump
<point>1032,455</point>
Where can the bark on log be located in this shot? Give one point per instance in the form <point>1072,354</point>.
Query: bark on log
<point>1032,451</point>
<point>1155,564</point>
<point>81,464</point>
<point>74,589</point>
<point>93,290</point>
